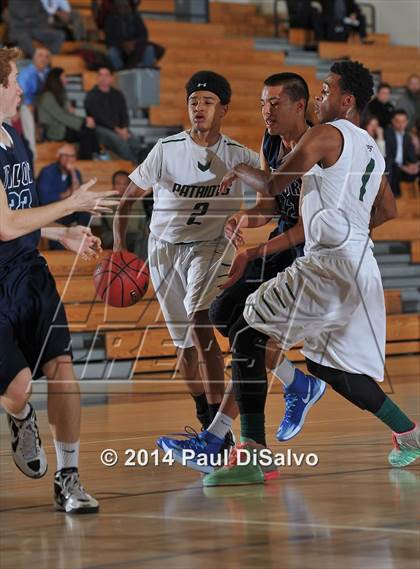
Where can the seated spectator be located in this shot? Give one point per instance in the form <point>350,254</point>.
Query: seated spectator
<point>28,21</point>
<point>410,100</point>
<point>138,223</point>
<point>32,80</point>
<point>58,181</point>
<point>64,18</point>
<point>372,126</point>
<point>303,14</point>
<point>127,37</point>
<point>57,116</point>
<point>401,160</point>
<point>107,106</point>
<point>415,137</point>
<point>343,18</point>
<point>381,106</point>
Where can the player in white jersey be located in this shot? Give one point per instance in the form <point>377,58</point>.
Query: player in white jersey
<point>331,298</point>
<point>189,256</point>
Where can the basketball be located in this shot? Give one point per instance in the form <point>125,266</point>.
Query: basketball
<point>121,279</point>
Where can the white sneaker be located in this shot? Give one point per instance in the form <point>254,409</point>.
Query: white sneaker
<point>406,447</point>
<point>69,494</point>
<point>28,454</point>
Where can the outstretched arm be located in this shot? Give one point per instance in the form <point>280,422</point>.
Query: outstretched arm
<point>15,223</point>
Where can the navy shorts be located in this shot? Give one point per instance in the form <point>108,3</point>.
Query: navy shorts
<point>33,323</point>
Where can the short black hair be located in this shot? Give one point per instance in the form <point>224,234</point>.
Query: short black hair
<point>383,86</point>
<point>119,173</point>
<point>294,85</point>
<point>355,79</point>
<point>399,112</point>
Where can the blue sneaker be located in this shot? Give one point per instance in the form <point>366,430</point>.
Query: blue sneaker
<point>206,447</point>
<point>304,391</point>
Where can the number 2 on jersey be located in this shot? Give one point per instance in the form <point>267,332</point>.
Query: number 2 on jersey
<point>201,209</point>
<point>365,178</point>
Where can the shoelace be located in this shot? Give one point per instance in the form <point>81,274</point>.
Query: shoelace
<point>193,438</point>
<point>30,441</point>
<point>71,486</point>
<point>291,400</point>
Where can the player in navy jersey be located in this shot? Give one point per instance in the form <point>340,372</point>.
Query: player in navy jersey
<point>283,105</point>
<point>34,335</point>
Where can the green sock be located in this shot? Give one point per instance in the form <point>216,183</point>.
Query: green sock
<point>391,415</point>
<point>253,427</point>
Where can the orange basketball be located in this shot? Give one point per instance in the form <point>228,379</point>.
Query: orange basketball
<point>121,279</point>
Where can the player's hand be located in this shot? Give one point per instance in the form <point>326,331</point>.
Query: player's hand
<point>237,270</point>
<point>228,180</point>
<point>233,231</point>
<point>81,240</point>
<point>84,199</point>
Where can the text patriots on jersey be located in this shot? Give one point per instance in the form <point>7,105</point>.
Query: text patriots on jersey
<point>190,191</point>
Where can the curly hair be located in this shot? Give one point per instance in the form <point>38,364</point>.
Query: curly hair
<point>7,55</point>
<point>355,79</point>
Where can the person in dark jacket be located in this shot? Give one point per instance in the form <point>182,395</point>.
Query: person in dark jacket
<point>107,106</point>
<point>127,37</point>
<point>381,106</point>
<point>401,160</point>
<point>342,18</point>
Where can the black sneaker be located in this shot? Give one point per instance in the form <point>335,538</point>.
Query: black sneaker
<point>28,454</point>
<point>69,494</point>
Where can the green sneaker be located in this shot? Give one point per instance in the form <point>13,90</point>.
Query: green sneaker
<point>406,448</point>
<point>235,474</point>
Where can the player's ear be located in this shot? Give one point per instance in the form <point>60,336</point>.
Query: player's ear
<point>224,110</point>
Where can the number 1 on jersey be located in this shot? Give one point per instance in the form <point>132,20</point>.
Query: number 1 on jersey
<point>365,178</point>
<point>201,209</point>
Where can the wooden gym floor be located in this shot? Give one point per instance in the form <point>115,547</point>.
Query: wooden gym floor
<point>350,511</point>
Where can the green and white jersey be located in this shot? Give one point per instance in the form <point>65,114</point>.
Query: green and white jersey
<point>337,201</point>
<point>188,204</point>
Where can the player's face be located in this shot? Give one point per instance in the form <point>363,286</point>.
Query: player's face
<point>329,104</point>
<point>11,95</point>
<point>205,111</point>
<point>278,110</point>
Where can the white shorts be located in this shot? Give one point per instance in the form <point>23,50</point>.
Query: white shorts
<point>334,305</point>
<point>186,278</point>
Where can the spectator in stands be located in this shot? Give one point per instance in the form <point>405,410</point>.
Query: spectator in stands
<point>410,100</point>
<point>57,117</point>
<point>28,21</point>
<point>381,106</point>
<point>58,181</point>
<point>62,17</point>
<point>137,228</point>
<point>401,160</point>
<point>303,14</point>
<point>31,80</point>
<point>127,37</point>
<point>107,106</point>
<point>372,126</point>
<point>415,137</point>
<point>343,18</point>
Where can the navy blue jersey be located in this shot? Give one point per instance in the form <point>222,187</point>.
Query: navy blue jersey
<point>288,201</point>
<point>18,181</point>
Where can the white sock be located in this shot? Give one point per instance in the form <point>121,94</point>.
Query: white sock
<point>23,414</point>
<point>285,372</point>
<point>221,425</point>
<point>67,454</point>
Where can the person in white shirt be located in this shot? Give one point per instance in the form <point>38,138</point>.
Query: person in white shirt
<point>189,256</point>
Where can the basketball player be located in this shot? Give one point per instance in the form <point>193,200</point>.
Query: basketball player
<point>34,335</point>
<point>189,256</point>
<point>332,298</point>
<point>284,103</point>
